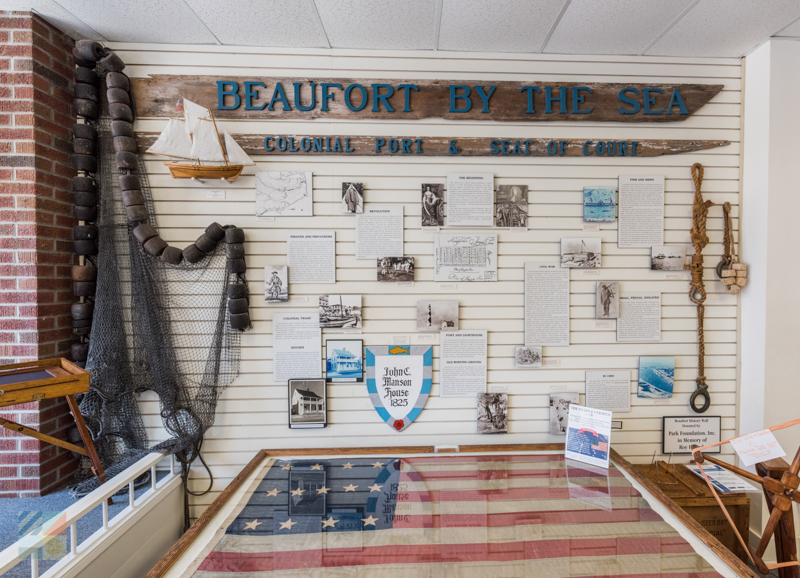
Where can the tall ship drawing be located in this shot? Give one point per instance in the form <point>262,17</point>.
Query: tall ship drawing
<point>332,315</point>
<point>592,200</point>
<point>195,138</point>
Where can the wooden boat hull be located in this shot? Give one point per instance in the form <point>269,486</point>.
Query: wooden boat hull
<point>187,171</point>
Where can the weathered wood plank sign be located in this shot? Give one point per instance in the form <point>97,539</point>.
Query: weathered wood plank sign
<point>254,144</point>
<point>293,98</point>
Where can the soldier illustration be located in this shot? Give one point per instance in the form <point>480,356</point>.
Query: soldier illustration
<point>606,295</point>
<point>274,287</point>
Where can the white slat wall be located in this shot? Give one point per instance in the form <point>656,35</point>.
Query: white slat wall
<point>252,412</point>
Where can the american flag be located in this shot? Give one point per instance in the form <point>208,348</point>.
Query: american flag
<point>456,515</point>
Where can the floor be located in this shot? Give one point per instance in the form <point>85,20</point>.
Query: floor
<point>21,515</point>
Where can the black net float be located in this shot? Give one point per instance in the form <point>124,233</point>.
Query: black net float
<point>86,91</point>
<point>85,213</point>
<point>118,95</point>
<point>85,199</point>
<point>172,256</point>
<point>192,254</point>
<point>82,330</point>
<point>238,305</point>
<point>82,130</point>
<point>205,244</point>
<point>83,310</point>
<point>155,246</point>
<point>129,182</point>
<point>137,213</point>
<point>144,232</point>
<point>238,290</point>
<point>85,108</point>
<point>84,232</point>
<point>234,251</point>
<point>79,351</point>
<point>132,198</point>
<point>234,235</point>
<point>236,266</point>
<point>240,320</point>
<point>84,288</point>
<point>85,74</point>
<point>84,146</point>
<point>84,184</point>
<point>215,232</point>
<point>85,247</point>
<point>76,323</point>
<point>80,61</point>
<point>126,160</point>
<point>87,163</point>
<point>120,112</point>
<point>84,273</point>
<point>89,50</point>
<point>117,80</point>
<point>125,144</point>
<point>112,63</point>
<point>121,128</point>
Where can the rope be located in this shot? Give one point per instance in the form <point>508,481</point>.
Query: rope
<point>697,289</point>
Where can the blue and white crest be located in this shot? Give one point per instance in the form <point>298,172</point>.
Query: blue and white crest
<point>399,381</point>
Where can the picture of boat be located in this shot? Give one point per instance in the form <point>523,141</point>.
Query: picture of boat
<point>340,311</point>
<point>599,205</point>
<point>195,138</point>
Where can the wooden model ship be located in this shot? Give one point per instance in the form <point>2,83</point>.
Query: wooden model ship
<point>195,138</point>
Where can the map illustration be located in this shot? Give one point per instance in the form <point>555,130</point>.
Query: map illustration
<point>285,194</point>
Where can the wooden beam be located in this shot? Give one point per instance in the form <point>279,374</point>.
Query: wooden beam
<point>12,426</point>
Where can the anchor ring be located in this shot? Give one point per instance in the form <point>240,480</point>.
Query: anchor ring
<point>701,391</point>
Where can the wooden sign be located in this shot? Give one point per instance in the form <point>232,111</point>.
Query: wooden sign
<point>254,144</point>
<point>680,433</point>
<point>302,98</point>
<point>399,381</point>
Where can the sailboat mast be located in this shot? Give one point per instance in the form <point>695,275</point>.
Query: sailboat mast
<point>219,140</point>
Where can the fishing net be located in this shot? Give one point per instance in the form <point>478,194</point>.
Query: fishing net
<point>157,327</point>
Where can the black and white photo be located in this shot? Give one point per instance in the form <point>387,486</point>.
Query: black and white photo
<point>340,312</point>
<point>276,287</point>
<point>668,258</point>
<point>432,205</point>
<point>492,413</point>
<point>304,499</point>
<point>607,303</point>
<point>437,316</point>
<point>527,356</point>
<point>394,269</point>
<point>559,411</point>
<point>352,198</point>
<point>580,252</point>
<point>308,403</point>
<point>512,206</point>
<point>343,361</point>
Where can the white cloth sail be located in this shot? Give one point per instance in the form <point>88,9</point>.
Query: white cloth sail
<point>174,141</point>
<point>236,155</point>
<point>193,113</point>
<point>206,146</point>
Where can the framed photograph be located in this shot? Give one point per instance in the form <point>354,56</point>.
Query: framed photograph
<point>308,403</point>
<point>276,279</point>
<point>340,312</point>
<point>512,206</point>
<point>599,205</point>
<point>527,357</point>
<point>304,499</point>
<point>581,252</point>
<point>668,258</point>
<point>680,433</point>
<point>394,269</point>
<point>344,360</point>
<point>432,205</point>
<point>559,411</point>
<point>492,413</point>
<point>437,316</point>
<point>656,377</point>
<point>352,198</point>
<point>607,303</point>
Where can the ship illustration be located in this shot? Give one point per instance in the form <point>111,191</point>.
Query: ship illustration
<point>337,316</point>
<point>195,138</point>
<point>591,201</point>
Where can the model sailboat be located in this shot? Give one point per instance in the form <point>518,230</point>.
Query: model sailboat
<point>195,138</point>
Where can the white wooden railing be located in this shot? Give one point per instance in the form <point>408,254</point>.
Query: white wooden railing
<point>28,547</point>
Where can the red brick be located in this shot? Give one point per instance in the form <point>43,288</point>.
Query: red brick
<point>28,471</point>
<point>18,22</point>
<point>19,458</point>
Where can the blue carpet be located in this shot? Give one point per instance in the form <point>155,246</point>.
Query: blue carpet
<point>19,516</point>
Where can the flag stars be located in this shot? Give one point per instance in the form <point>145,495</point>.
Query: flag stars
<point>375,488</point>
<point>274,492</point>
<point>286,467</point>
<point>377,465</point>
<point>348,466</point>
<point>298,492</point>
<point>350,488</point>
<point>252,525</point>
<point>316,467</point>
<point>369,521</point>
<point>329,523</point>
<point>322,490</point>
<point>287,525</point>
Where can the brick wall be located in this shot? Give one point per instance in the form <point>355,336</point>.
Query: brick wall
<point>36,253</point>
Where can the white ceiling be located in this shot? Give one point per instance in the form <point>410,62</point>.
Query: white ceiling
<point>700,28</point>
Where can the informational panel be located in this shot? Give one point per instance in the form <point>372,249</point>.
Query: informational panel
<point>680,433</point>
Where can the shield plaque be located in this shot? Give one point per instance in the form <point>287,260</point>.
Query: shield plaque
<point>399,381</point>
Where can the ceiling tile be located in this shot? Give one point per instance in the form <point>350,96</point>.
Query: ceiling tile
<point>159,21</point>
<point>377,24</point>
<point>725,27</point>
<point>791,30</point>
<point>261,22</point>
<point>496,26</point>
<point>612,26</point>
<point>55,15</point>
